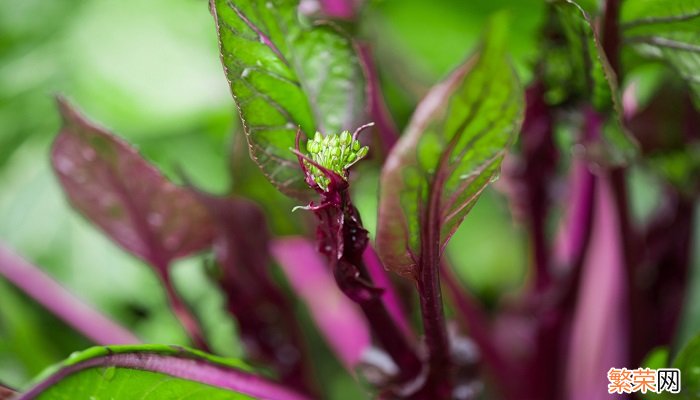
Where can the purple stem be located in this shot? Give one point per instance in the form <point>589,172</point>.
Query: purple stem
<point>188,321</point>
<point>336,316</point>
<point>600,328</point>
<point>340,9</point>
<point>390,298</point>
<point>575,232</point>
<point>385,126</point>
<point>430,294</point>
<point>185,368</point>
<point>40,287</point>
<point>539,164</point>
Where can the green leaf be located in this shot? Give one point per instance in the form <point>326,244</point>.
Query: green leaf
<point>451,150</point>
<point>669,31</point>
<point>680,167</point>
<point>657,358</point>
<point>152,371</point>
<point>581,70</point>
<point>283,75</point>
<point>688,361</point>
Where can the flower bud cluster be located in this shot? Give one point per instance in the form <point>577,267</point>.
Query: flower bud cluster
<point>336,152</point>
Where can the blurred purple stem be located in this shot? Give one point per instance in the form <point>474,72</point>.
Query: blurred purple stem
<point>340,9</point>
<point>601,325</point>
<point>385,126</point>
<point>47,292</point>
<point>391,299</point>
<point>337,317</point>
<point>539,160</point>
<point>188,321</point>
<point>575,232</point>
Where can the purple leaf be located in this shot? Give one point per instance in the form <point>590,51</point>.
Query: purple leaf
<point>45,291</point>
<point>338,318</point>
<point>112,185</point>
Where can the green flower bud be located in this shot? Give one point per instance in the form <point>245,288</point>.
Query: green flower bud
<point>345,138</point>
<point>336,152</point>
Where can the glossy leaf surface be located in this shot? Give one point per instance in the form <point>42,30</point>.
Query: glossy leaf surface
<point>283,75</point>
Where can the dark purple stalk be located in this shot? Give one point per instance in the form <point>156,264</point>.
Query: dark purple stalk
<point>184,368</point>
<point>611,42</point>
<point>385,126</point>
<point>430,295</point>
<point>575,233</point>
<point>342,238</point>
<point>187,319</point>
<point>539,163</point>
<point>40,287</point>
<point>355,281</point>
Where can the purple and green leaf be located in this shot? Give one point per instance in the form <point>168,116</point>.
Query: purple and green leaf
<point>451,150</point>
<point>155,371</point>
<point>285,73</point>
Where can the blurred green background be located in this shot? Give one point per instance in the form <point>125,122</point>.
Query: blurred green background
<point>150,72</point>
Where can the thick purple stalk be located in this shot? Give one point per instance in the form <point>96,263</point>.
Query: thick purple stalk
<point>611,35</point>
<point>342,239</point>
<point>611,42</point>
<point>574,234</point>
<point>430,295</point>
<point>539,155</point>
<point>391,299</point>
<point>40,287</point>
<point>184,368</point>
